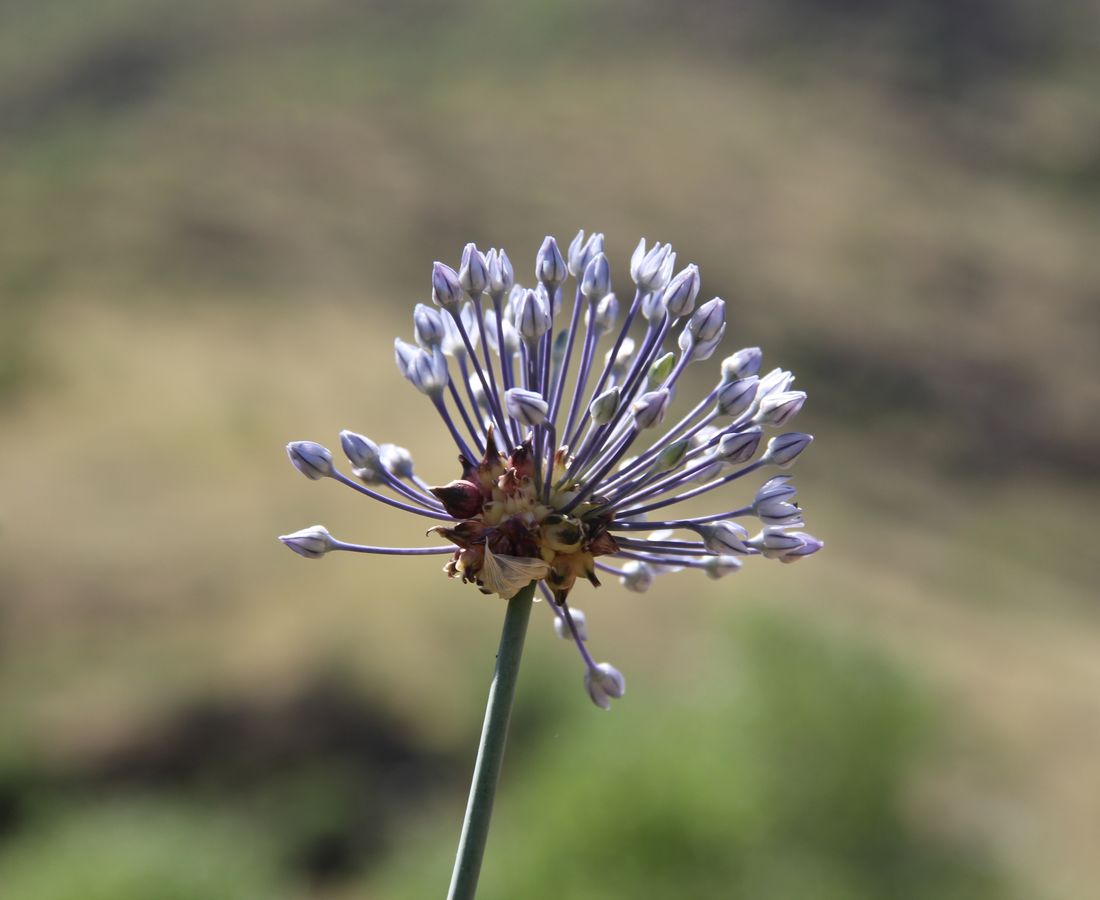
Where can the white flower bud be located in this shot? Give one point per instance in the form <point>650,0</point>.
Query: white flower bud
<point>776,381</point>
<point>742,364</point>
<point>596,280</point>
<point>492,338</point>
<point>681,292</point>
<point>532,317</point>
<point>582,252</point>
<point>773,542</point>
<point>705,349</point>
<point>561,627</point>
<point>312,543</point>
<point>452,344</point>
<point>603,408</point>
<point>783,449</point>
<point>622,359</point>
<point>607,312</point>
<point>311,459</point>
<point>604,684</point>
<point>549,266</point>
<point>723,537</point>
<point>404,354</point>
<point>734,397</point>
<point>361,451</point>
<point>654,307</point>
<point>428,372</point>
<point>473,271</point>
<point>778,488</point>
<point>719,566</point>
<point>778,408</point>
<point>738,446</point>
<point>671,456</point>
<point>428,326</point>
<point>648,268</point>
<point>650,408</point>
<point>501,275</point>
<point>396,460</point>
<point>637,576</point>
<point>446,290</point>
<point>526,407</point>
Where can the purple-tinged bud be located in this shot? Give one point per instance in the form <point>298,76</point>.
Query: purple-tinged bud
<point>723,537</point>
<point>596,280</point>
<point>775,382</point>
<point>582,252</point>
<point>738,446</point>
<point>311,459</point>
<point>648,269</point>
<point>396,460</point>
<point>783,449</point>
<point>705,349</point>
<point>742,364</point>
<point>777,488</point>
<point>682,291</point>
<point>603,408</point>
<point>446,289</point>
<point>561,627</point>
<point>637,576</point>
<point>654,308</point>
<point>604,683</point>
<point>404,355</point>
<point>532,317</point>
<point>526,407</point>
<point>661,369</point>
<point>773,542</point>
<point>428,326</point>
<point>312,543</point>
<point>361,451</point>
<point>428,372</point>
<point>734,397</point>
<point>550,268</point>
<point>708,321</point>
<point>607,312</point>
<point>473,272</point>
<point>461,499</point>
<point>671,456</point>
<point>720,566</point>
<point>501,274</point>
<point>777,409</point>
<point>810,545</point>
<point>772,504</point>
<point>650,408</point>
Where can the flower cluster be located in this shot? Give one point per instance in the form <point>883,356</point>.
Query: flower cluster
<point>548,489</point>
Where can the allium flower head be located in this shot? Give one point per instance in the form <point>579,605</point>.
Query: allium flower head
<point>569,468</point>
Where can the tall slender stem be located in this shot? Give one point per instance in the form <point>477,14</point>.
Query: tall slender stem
<point>490,753</point>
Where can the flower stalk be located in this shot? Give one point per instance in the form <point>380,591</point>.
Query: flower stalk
<point>490,752</point>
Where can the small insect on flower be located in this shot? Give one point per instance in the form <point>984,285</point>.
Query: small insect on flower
<point>547,490</point>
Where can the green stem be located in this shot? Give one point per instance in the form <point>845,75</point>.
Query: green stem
<point>490,753</point>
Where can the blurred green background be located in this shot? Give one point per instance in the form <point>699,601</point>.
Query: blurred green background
<point>214,217</point>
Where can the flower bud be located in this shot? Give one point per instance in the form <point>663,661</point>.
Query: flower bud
<point>473,272</point>
<point>361,451</point>
<point>719,566</point>
<point>396,460</point>
<point>312,543</point>
<point>549,266</point>
<point>603,408</point>
<point>671,456</point>
<point>561,627</point>
<point>637,576</point>
<point>723,537</point>
<point>428,372</point>
<point>734,397</point>
<point>662,368</point>
<point>462,499</point>
<point>650,408</point>
<point>654,308</point>
<point>648,269</point>
<point>526,407</point>
<point>701,350</point>
<point>809,546</point>
<point>738,446</point>
<point>532,317</point>
<point>311,459</point>
<point>446,289</point>
<point>492,337</point>
<point>604,683</point>
<point>452,344</point>
<point>596,280</point>
<point>778,488</point>
<point>428,326</point>
<point>778,408</point>
<point>607,312</point>
<point>783,449</point>
<point>776,381</point>
<point>404,354</point>
<point>622,359</point>
<point>707,322</point>
<point>773,542</point>
<point>501,275</point>
<point>681,292</point>
<point>742,364</point>
<point>582,252</point>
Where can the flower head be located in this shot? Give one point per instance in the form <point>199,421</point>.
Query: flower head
<point>569,469</point>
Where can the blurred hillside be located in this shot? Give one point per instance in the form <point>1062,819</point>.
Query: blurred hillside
<point>215,217</point>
